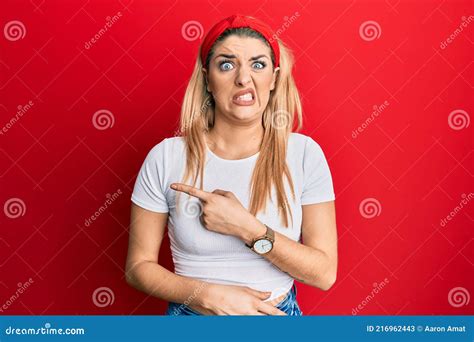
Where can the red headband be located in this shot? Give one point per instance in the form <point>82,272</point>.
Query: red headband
<point>237,21</point>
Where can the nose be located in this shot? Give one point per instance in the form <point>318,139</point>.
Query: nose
<point>243,77</point>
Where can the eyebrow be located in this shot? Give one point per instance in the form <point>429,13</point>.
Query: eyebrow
<point>233,56</point>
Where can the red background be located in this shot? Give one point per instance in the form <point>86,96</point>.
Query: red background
<point>408,158</point>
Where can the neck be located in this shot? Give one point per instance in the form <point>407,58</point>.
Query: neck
<point>235,140</point>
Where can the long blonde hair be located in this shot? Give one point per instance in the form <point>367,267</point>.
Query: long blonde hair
<point>197,117</point>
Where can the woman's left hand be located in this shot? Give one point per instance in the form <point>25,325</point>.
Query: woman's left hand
<point>222,211</point>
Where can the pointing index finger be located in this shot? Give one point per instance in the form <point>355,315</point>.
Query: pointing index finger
<point>190,190</point>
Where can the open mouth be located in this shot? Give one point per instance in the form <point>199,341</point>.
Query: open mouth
<point>244,98</point>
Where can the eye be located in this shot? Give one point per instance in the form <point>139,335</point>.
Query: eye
<point>225,65</point>
<point>259,64</point>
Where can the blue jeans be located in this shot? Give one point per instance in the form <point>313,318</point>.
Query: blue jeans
<point>289,305</point>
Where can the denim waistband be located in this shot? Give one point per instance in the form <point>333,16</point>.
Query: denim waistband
<point>289,305</point>
<point>289,298</point>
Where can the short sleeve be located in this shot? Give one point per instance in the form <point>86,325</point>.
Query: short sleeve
<point>317,186</point>
<point>148,191</point>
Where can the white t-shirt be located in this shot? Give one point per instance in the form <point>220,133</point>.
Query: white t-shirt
<point>219,258</point>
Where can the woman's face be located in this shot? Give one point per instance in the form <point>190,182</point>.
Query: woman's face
<point>240,77</point>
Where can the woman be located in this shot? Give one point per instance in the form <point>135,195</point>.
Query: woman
<point>236,121</point>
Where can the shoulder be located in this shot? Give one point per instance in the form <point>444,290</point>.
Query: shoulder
<point>299,138</point>
<point>167,147</point>
<point>303,143</point>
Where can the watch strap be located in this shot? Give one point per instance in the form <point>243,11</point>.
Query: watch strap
<point>269,235</point>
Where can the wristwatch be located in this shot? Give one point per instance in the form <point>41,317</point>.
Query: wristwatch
<point>263,244</point>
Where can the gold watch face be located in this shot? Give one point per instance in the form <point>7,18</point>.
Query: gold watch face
<point>263,246</point>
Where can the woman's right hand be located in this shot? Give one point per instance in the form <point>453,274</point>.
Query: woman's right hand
<point>217,299</point>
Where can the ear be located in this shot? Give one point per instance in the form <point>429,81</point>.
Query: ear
<point>206,79</point>
<point>276,72</point>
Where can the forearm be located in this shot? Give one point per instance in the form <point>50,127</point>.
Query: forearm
<point>157,281</point>
<point>303,263</point>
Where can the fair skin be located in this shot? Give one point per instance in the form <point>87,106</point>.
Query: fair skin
<point>236,134</point>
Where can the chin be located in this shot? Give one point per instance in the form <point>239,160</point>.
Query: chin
<point>244,116</point>
<point>244,112</point>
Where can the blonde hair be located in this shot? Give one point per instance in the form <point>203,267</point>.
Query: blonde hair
<point>197,117</point>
